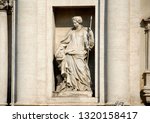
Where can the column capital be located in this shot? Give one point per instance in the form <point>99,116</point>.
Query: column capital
<point>145,23</point>
<point>6,4</point>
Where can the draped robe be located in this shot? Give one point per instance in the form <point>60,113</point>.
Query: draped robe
<point>72,58</point>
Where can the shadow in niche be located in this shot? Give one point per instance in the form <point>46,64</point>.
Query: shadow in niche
<point>63,15</point>
<point>142,97</point>
<point>57,72</point>
<point>92,69</point>
<point>147,104</point>
<point>63,19</point>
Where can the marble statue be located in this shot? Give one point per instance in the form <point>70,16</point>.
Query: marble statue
<point>72,57</point>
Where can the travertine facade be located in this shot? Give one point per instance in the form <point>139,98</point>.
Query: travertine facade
<point>3,56</point>
<point>117,62</point>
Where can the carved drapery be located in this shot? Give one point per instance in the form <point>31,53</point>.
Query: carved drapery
<point>145,23</point>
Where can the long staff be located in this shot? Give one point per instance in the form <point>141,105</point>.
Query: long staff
<point>88,38</point>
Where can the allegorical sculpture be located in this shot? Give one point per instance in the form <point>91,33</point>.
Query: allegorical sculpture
<point>72,57</point>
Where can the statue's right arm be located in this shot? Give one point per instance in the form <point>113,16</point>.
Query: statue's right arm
<point>66,38</point>
<point>60,52</point>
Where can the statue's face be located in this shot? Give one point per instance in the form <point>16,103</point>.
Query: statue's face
<point>75,23</point>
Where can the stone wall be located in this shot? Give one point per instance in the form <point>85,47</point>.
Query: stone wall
<point>117,63</point>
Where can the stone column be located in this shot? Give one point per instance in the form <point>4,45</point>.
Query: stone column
<point>3,57</point>
<point>135,49</point>
<point>26,48</point>
<point>145,23</point>
<point>117,77</point>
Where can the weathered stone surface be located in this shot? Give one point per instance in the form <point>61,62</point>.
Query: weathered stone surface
<point>121,56</point>
<point>3,57</point>
<point>73,94</point>
<point>117,51</point>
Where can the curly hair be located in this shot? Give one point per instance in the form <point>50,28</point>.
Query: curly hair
<point>77,19</point>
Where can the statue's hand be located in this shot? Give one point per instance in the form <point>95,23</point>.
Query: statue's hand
<point>91,45</point>
<point>88,48</point>
<point>91,39</point>
<point>60,55</point>
<point>90,33</point>
<point>70,52</point>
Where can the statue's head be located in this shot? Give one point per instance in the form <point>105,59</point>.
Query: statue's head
<point>77,20</point>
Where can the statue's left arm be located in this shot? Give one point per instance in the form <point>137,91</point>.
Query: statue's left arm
<point>91,39</point>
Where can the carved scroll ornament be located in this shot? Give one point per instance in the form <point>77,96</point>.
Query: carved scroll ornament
<point>5,4</point>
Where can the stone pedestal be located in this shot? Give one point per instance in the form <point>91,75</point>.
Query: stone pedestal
<point>73,94</point>
<point>146,93</point>
<point>146,89</point>
<point>117,63</point>
<point>3,57</point>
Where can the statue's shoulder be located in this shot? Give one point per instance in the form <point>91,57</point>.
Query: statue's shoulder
<point>85,29</point>
<point>72,29</point>
<point>69,31</point>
